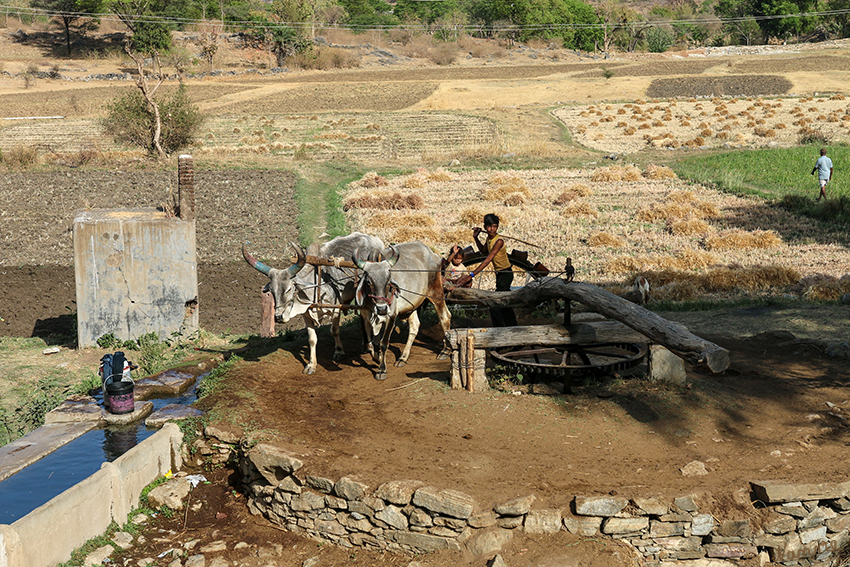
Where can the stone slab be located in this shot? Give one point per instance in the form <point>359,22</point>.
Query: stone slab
<point>143,409</point>
<point>167,384</point>
<point>772,492</point>
<point>171,412</point>
<point>31,447</point>
<point>75,409</point>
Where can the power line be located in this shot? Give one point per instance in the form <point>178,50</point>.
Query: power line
<point>421,27</point>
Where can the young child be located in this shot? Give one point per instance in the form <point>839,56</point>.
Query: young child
<point>497,255</point>
<point>453,268</point>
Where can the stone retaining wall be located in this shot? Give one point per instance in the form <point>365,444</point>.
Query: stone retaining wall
<point>791,524</point>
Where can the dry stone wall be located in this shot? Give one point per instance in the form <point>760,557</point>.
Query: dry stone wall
<point>790,524</point>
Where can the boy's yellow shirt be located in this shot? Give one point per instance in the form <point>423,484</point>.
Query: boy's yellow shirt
<point>500,260</point>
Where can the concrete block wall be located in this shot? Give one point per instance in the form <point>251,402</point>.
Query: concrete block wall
<point>136,273</point>
<point>47,535</point>
<point>795,525</point>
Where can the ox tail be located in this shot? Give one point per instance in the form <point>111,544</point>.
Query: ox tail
<point>253,262</point>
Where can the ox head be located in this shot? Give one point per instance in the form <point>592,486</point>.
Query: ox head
<point>280,283</point>
<point>377,290</point>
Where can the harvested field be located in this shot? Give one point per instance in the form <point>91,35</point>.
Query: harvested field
<point>728,122</point>
<point>615,206</point>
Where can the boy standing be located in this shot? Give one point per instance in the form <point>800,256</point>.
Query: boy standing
<point>497,254</point>
<point>824,169</point>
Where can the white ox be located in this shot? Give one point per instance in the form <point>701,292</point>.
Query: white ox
<point>395,288</point>
<point>295,288</point>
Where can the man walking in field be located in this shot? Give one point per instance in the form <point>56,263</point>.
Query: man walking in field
<point>824,169</point>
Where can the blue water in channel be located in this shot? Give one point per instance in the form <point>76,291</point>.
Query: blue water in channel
<point>58,471</point>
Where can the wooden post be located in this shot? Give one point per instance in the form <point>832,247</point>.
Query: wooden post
<point>266,314</point>
<point>479,364</point>
<point>456,382</point>
<point>470,361</point>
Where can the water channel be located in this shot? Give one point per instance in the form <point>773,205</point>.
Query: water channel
<point>58,471</point>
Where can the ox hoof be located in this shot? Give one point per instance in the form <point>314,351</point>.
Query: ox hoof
<point>400,363</point>
<point>308,370</point>
<point>381,376</point>
<point>442,356</point>
<point>338,356</point>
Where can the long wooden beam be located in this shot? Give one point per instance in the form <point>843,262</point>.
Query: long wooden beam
<point>547,335</point>
<point>657,329</point>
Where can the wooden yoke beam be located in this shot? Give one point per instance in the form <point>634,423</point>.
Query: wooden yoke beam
<point>317,261</point>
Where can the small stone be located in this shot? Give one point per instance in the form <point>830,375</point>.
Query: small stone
<point>484,520</point>
<point>694,468</point>
<point>319,483</point>
<point>651,506</point>
<point>122,540</point>
<point>96,557</point>
<point>312,562</point>
<point>583,525</point>
<point>214,547</point>
<point>398,492</point>
<point>542,522</point>
<point>489,541</point>
<point>241,545</point>
<point>687,503</point>
<point>497,561</point>
<point>515,507</point>
<point>171,493</point>
<point>448,502</point>
<point>702,524</point>
<point>734,528</point>
<point>509,522</point>
<point>599,505</point>
<point>350,489</point>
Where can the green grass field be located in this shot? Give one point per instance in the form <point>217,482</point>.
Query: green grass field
<point>770,173</point>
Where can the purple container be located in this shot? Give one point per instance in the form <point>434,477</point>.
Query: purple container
<point>118,397</point>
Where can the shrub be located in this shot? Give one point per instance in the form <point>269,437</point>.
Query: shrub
<point>21,156</point>
<point>323,58</point>
<point>129,119</point>
<point>809,135</point>
<point>443,54</point>
<point>659,39</point>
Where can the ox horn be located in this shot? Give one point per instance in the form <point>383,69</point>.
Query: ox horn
<point>302,259</point>
<point>256,264</point>
<point>361,263</point>
<point>393,257</point>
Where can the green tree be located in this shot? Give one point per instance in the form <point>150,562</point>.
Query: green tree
<point>77,16</point>
<point>143,19</point>
<point>838,24</point>
<point>425,12</point>
<point>369,13</point>
<point>542,18</point>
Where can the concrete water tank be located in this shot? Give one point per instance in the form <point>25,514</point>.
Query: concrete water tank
<point>136,269</point>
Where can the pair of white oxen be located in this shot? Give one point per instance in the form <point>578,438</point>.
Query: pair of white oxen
<point>384,290</point>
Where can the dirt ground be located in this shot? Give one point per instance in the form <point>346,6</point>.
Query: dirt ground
<point>776,413</point>
<point>767,417</point>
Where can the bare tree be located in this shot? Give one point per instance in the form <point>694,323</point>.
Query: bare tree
<point>142,81</point>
